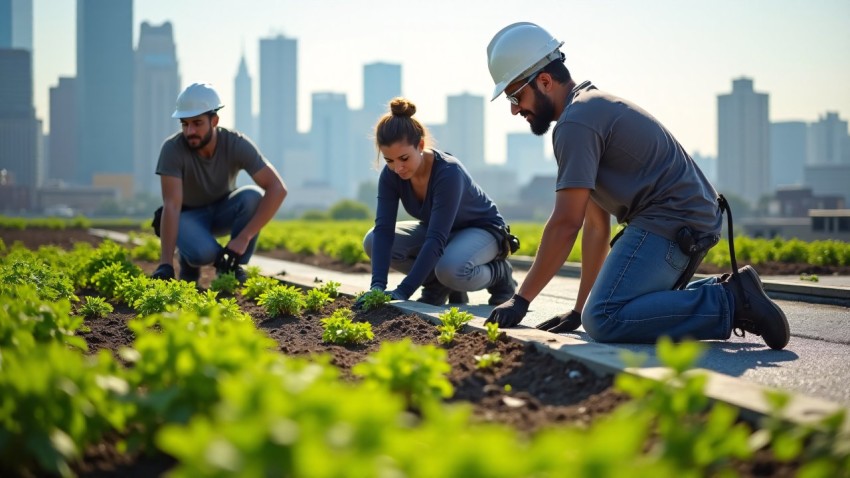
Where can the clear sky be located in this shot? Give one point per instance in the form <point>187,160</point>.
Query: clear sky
<point>672,57</point>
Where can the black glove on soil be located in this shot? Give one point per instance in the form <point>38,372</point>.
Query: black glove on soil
<point>163,272</point>
<point>510,313</point>
<point>562,323</point>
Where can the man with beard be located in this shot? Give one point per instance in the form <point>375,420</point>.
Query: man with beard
<point>198,168</point>
<point>615,159</point>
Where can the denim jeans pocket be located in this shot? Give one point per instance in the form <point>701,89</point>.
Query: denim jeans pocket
<point>676,258</point>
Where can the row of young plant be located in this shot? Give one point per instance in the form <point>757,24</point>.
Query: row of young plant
<point>203,384</point>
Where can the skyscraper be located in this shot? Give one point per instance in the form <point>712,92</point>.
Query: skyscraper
<point>743,142</point>
<point>278,98</point>
<point>381,83</point>
<point>62,154</point>
<point>19,132</point>
<point>157,86</point>
<point>526,158</point>
<point>328,136</point>
<point>787,153</point>
<point>16,24</point>
<point>828,142</point>
<point>243,111</point>
<point>105,88</point>
<point>464,133</point>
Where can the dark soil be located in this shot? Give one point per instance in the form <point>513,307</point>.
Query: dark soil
<point>543,391</point>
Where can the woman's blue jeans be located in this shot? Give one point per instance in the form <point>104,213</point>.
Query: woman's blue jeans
<point>632,301</point>
<point>462,266</point>
<point>199,227</point>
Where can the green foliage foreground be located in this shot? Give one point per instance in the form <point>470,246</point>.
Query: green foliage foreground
<point>210,389</point>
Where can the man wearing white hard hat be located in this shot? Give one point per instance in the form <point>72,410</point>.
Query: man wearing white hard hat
<point>198,168</point>
<point>614,158</point>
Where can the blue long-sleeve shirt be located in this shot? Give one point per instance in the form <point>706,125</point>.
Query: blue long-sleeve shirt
<point>452,201</point>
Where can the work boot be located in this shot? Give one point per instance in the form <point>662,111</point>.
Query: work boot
<point>502,285</point>
<point>754,311</point>
<point>434,293</point>
<point>188,273</point>
<point>458,297</point>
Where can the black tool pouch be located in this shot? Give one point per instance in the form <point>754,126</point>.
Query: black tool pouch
<point>157,221</point>
<point>508,243</point>
<point>695,246</point>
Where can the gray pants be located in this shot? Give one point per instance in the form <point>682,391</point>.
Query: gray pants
<point>462,266</point>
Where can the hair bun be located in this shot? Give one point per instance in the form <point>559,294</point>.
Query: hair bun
<point>402,107</point>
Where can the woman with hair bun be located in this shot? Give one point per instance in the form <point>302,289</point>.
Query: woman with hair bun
<point>458,242</point>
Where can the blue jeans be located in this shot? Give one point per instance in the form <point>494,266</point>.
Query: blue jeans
<point>460,268</point>
<point>199,227</point>
<point>632,301</point>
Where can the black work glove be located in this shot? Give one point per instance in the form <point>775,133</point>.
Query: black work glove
<point>510,313</point>
<point>396,295</point>
<point>226,261</point>
<point>562,323</point>
<point>163,272</point>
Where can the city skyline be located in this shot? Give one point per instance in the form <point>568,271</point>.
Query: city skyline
<point>442,52</point>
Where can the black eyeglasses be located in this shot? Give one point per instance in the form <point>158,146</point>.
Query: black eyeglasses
<point>512,97</point>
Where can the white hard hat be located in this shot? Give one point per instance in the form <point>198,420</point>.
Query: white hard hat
<point>518,50</point>
<point>197,99</point>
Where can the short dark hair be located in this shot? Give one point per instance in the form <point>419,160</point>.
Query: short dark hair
<point>558,71</point>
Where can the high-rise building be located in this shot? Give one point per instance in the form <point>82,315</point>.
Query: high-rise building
<point>62,152</point>
<point>278,99</point>
<point>828,141</point>
<point>525,157</point>
<point>105,88</point>
<point>243,111</point>
<point>19,133</point>
<point>787,153</point>
<point>331,152</point>
<point>743,142</point>
<point>464,132</point>
<point>381,83</point>
<point>157,86</point>
<point>16,24</point>
<point>707,164</point>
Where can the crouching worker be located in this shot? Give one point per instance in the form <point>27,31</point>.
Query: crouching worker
<point>198,169</point>
<point>459,241</point>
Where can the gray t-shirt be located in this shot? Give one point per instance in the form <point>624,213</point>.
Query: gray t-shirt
<point>208,180</point>
<point>634,167</point>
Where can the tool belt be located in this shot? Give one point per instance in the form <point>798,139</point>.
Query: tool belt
<point>508,243</point>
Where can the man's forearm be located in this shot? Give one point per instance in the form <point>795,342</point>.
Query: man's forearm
<point>168,234</point>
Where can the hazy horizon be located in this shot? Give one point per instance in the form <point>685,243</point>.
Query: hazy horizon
<point>671,58</point>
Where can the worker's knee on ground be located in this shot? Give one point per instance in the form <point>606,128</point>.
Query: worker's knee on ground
<point>593,320</point>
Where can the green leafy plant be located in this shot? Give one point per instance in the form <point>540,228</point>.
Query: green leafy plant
<point>810,277</point>
<point>95,307</point>
<point>162,296</point>
<point>253,271</point>
<point>373,299</point>
<point>340,329</point>
<point>331,288</point>
<point>486,361</point>
<point>455,318</point>
<point>107,280</point>
<point>447,334</point>
<point>282,299</point>
<point>27,319</point>
<point>255,286</point>
<point>493,332</point>
<point>226,282</point>
<point>316,299</point>
<point>148,250</point>
<point>417,373</point>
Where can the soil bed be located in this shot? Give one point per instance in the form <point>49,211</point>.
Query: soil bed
<point>543,391</point>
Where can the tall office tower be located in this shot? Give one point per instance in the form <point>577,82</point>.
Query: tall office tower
<point>526,158</point>
<point>332,153</point>
<point>16,24</point>
<point>381,83</point>
<point>243,111</point>
<point>62,153</point>
<point>828,142</point>
<point>707,164</point>
<point>278,99</point>
<point>157,87</point>
<point>743,142</point>
<point>787,153</point>
<point>464,133</point>
<point>19,133</point>
<point>105,88</point>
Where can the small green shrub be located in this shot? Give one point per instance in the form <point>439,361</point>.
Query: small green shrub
<point>256,286</point>
<point>486,361</point>
<point>493,332</point>
<point>455,318</point>
<point>282,299</point>
<point>316,299</point>
<point>373,299</point>
<point>331,288</point>
<point>226,282</point>
<point>95,307</point>
<point>340,329</point>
